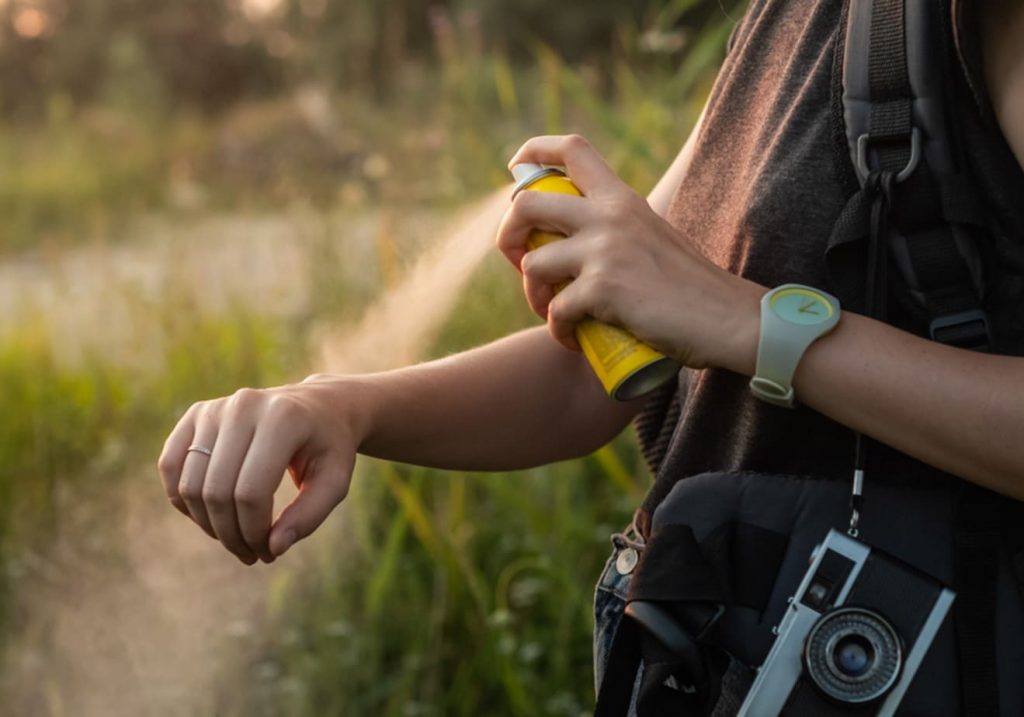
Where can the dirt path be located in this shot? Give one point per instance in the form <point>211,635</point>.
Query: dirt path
<point>105,297</point>
<point>134,611</point>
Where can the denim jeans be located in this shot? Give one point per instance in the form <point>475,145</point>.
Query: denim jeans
<point>610,600</point>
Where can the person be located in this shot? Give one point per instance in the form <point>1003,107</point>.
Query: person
<point>746,206</point>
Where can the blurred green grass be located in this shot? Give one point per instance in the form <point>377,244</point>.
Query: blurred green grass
<point>458,594</point>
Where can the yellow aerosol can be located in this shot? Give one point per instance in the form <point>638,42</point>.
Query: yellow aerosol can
<point>627,367</point>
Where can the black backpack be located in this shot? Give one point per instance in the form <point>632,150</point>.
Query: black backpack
<point>727,550</point>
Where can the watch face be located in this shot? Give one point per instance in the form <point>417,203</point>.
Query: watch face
<point>801,306</point>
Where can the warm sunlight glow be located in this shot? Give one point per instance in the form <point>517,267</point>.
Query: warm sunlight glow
<point>31,22</point>
<point>258,9</point>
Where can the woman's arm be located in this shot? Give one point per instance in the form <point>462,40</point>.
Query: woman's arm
<point>957,410</point>
<point>517,402</point>
<point>960,411</point>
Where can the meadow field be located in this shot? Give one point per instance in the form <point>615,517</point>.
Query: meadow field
<point>156,252</point>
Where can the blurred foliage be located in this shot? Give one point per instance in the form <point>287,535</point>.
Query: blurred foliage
<point>209,54</point>
<point>156,123</point>
<point>171,52</point>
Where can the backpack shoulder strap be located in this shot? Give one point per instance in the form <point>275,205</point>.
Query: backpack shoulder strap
<point>898,126</point>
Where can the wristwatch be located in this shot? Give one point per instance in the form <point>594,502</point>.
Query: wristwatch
<point>793,317</point>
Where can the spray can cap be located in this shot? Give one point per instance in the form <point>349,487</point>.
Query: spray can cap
<point>527,173</point>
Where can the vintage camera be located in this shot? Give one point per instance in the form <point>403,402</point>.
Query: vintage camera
<point>852,637</point>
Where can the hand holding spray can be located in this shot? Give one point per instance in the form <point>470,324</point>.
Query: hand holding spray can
<point>626,367</point>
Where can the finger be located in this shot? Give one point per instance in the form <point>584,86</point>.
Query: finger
<point>193,471</point>
<point>560,214</point>
<point>585,167</point>
<point>549,268</point>
<point>324,485</point>
<point>172,457</point>
<point>538,296</point>
<point>567,311</point>
<point>272,449</point>
<point>557,261</point>
<point>222,471</point>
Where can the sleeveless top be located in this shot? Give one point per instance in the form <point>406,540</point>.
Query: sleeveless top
<point>760,198</point>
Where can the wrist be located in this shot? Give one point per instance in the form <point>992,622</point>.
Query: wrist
<point>345,401</point>
<point>744,330</point>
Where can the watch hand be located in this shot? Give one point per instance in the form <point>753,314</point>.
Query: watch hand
<point>806,308</point>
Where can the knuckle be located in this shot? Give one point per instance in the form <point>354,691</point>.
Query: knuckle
<point>529,145</point>
<point>167,464</point>
<point>215,498</point>
<point>245,398</point>
<point>618,208</point>
<point>248,497</point>
<point>632,201</point>
<point>539,296</point>
<point>209,410</point>
<point>556,311</point>
<point>601,279</point>
<point>337,494</point>
<point>600,284</point>
<point>599,302</point>
<point>341,491</point>
<point>284,408</point>
<point>576,142</point>
<point>604,244</point>
<point>190,492</point>
<point>560,332</point>
<point>528,263</point>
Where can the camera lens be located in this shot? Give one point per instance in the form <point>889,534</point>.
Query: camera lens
<point>853,655</point>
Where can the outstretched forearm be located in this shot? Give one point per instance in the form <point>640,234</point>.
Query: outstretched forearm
<point>954,409</point>
<point>519,402</point>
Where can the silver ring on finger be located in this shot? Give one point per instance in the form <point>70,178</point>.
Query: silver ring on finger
<point>195,447</point>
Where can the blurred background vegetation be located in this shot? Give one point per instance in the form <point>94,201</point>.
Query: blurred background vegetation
<point>127,123</point>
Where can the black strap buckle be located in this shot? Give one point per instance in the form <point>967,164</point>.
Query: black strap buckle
<point>863,170</point>
<point>677,638</point>
<point>964,329</point>
<point>663,625</point>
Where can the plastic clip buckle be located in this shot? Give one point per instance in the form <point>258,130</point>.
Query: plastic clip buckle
<point>663,625</point>
<point>980,339</point>
<point>863,170</point>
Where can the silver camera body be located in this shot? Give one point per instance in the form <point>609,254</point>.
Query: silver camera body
<point>854,634</point>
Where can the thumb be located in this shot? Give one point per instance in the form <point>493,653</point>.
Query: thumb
<point>322,489</point>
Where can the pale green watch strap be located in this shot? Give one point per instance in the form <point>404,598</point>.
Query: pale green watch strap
<point>782,344</point>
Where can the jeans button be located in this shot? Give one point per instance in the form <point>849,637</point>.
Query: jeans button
<point>626,561</point>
